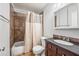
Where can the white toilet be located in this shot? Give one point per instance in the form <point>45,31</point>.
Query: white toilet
<point>39,49</point>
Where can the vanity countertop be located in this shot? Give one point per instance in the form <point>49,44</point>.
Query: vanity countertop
<point>74,48</point>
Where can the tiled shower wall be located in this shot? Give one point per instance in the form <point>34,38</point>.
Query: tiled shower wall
<point>19,26</point>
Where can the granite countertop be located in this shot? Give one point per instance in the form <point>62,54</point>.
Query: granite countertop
<point>74,48</point>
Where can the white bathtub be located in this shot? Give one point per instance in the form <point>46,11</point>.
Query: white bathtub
<point>18,48</point>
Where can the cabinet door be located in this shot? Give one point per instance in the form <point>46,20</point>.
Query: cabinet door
<point>63,52</point>
<point>51,50</point>
<point>50,53</point>
<point>68,53</point>
<point>63,17</point>
<point>72,15</point>
<point>60,52</point>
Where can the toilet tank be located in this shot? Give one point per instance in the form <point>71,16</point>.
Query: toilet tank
<point>43,41</point>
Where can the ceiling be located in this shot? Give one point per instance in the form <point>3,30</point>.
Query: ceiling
<point>35,7</point>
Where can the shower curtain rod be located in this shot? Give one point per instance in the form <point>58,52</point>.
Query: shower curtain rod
<point>6,20</point>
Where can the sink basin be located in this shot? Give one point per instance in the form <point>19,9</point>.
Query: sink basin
<point>63,42</point>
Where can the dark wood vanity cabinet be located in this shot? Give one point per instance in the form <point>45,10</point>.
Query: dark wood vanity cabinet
<point>63,52</point>
<point>54,50</point>
<point>50,49</point>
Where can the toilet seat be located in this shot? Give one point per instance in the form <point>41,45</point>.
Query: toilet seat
<point>38,49</point>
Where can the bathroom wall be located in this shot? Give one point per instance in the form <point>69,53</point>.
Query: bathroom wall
<point>49,23</point>
<point>5,30</point>
<point>4,10</point>
<point>19,26</point>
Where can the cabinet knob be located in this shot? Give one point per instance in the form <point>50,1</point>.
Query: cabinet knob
<point>49,46</point>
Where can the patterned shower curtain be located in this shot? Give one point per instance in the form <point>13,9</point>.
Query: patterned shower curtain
<point>33,31</point>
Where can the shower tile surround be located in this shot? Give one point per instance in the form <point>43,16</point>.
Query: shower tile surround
<point>19,26</point>
<point>73,40</point>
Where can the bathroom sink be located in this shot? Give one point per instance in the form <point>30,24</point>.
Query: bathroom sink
<point>63,42</point>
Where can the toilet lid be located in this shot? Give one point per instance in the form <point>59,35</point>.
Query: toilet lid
<point>38,48</point>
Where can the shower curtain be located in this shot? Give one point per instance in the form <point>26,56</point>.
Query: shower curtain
<point>33,31</point>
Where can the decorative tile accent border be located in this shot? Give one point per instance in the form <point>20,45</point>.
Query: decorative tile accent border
<point>73,40</point>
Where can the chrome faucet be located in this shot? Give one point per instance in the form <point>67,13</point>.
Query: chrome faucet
<point>66,38</point>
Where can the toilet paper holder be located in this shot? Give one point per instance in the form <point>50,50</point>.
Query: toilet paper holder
<point>2,49</point>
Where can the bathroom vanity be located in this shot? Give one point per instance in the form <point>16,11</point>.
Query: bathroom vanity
<point>56,49</point>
